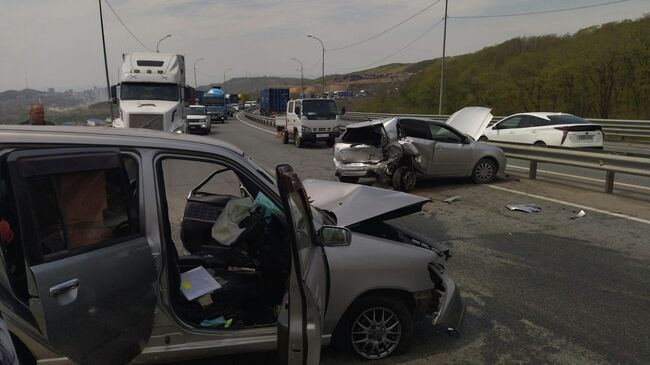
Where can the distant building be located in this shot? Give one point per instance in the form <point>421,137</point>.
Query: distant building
<point>51,90</point>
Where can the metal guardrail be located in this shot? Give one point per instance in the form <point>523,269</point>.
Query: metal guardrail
<point>270,121</point>
<point>609,163</point>
<point>615,129</point>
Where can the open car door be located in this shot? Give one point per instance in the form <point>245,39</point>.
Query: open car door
<point>91,274</point>
<point>309,282</point>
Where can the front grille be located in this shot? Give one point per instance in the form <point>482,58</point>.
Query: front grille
<point>322,129</point>
<point>146,121</point>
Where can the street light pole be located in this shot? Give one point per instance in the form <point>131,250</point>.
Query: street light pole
<point>302,77</point>
<point>442,65</point>
<point>108,83</point>
<point>321,43</point>
<point>224,76</point>
<point>162,39</point>
<point>195,62</point>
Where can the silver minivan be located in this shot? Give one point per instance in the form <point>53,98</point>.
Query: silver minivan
<point>142,246</point>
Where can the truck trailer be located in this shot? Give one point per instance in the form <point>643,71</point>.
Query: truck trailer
<point>273,101</point>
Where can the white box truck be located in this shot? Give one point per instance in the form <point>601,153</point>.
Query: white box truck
<point>310,120</point>
<point>151,92</point>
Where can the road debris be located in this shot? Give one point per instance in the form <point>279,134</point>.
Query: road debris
<point>452,199</point>
<point>526,208</point>
<point>580,214</point>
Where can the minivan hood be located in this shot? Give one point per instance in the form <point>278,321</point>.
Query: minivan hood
<point>471,120</point>
<point>353,204</point>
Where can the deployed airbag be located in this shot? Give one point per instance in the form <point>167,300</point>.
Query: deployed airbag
<point>226,229</point>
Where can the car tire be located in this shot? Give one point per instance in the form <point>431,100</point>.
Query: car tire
<point>330,143</point>
<point>285,137</point>
<point>483,139</point>
<point>404,179</point>
<point>349,179</point>
<point>485,171</point>
<point>398,327</point>
<point>297,140</point>
<point>540,144</point>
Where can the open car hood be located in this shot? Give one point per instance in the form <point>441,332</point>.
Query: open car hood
<point>353,204</point>
<point>471,120</point>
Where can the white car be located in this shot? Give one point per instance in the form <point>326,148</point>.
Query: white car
<point>546,129</point>
<point>198,120</point>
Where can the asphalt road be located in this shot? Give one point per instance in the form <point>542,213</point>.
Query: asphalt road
<point>539,288</point>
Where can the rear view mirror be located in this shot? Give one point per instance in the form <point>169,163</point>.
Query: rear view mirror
<point>335,236</point>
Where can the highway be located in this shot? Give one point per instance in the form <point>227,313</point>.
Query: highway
<point>539,288</point>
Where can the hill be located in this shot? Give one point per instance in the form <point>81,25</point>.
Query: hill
<point>601,71</point>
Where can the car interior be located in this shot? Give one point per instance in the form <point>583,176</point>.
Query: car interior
<point>233,231</point>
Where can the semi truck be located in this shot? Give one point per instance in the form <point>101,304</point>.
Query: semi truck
<point>273,101</point>
<point>215,101</point>
<point>151,92</point>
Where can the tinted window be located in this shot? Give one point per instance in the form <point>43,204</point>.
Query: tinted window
<point>566,119</point>
<point>196,111</point>
<point>149,91</point>
<point>529,121</point>
<point>78,210</point>
<point>319,108</point>
<point>290,107</point>
<point>150,63</point>
<point>510,123</point>
<point>442,134</point>
<point>413,128</point>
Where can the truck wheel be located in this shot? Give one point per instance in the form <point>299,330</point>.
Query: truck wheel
<point>349,179</point>
<point>375,327</point>
<point>404,179</point>
<point>330,143</point>
<point>285,137</point>
<point>298,141</point>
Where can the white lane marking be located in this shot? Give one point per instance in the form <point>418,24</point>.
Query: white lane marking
<point>579,177</point>
<point>256,127</point>
<point>587,208</point>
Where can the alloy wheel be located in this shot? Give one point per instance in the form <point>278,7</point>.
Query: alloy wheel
<point>484,171</point>
<point>376,333</point>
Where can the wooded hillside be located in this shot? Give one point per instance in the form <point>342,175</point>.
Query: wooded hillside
<point>599,72</point>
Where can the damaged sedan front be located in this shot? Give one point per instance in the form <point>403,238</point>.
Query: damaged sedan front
<point>402,150</point>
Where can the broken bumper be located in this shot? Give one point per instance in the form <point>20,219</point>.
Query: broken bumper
<point>451,308</point>
<point>359,169</point>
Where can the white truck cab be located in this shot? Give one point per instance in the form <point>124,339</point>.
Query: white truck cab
<point>310,120</point>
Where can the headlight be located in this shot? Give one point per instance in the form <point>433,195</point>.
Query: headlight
<point>203,125</point>
<point>306,129</point>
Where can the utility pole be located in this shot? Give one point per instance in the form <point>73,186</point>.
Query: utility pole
<point>322,45</point>
<point>108,83</point>
<point>195,62</point>
<point>302,77</point>
<point>224,77</point>
<point>442,64</point>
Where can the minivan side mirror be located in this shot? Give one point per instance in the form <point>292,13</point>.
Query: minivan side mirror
<point>335,236</point>
<point>342,110</point>
<point>297,110</point>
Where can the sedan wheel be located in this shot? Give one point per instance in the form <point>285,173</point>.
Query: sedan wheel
<point>404,179</point>
<point>378,326</point>
<point>485,171</point>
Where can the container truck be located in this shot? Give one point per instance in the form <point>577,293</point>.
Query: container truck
<point>215,101</point>
<point>273,101</point>
<point>151,92</point>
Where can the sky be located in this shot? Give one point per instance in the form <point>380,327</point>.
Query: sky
<point>57,43</point>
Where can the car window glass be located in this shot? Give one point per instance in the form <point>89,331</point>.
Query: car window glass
<point>290,107</point>
<point>78,210</point>
<point>442,134</point>
<point>510,123</point>
<point>413,128</point>
<point>296,106</point>
<point>302,227</point>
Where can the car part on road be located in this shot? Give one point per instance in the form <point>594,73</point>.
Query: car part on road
<point>527,208</point>
<point>580,214</point>
<point>452,199</point>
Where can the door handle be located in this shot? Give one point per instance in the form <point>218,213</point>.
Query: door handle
<point>63,288</point>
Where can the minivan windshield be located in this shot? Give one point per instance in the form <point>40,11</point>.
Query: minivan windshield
<point>319,108</point>
<point>149,91</point>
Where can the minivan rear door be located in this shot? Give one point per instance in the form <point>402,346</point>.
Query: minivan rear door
<point>92,278</point>
<point>309,282</point>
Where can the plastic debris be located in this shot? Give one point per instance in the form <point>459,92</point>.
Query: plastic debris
<point>526,208</point>
<point>213,322</point>
<point>452,199</point>
<point>580,214</point>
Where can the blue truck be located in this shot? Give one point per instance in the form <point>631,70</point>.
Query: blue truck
<point>215,102</point>
<point>273,101</point>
